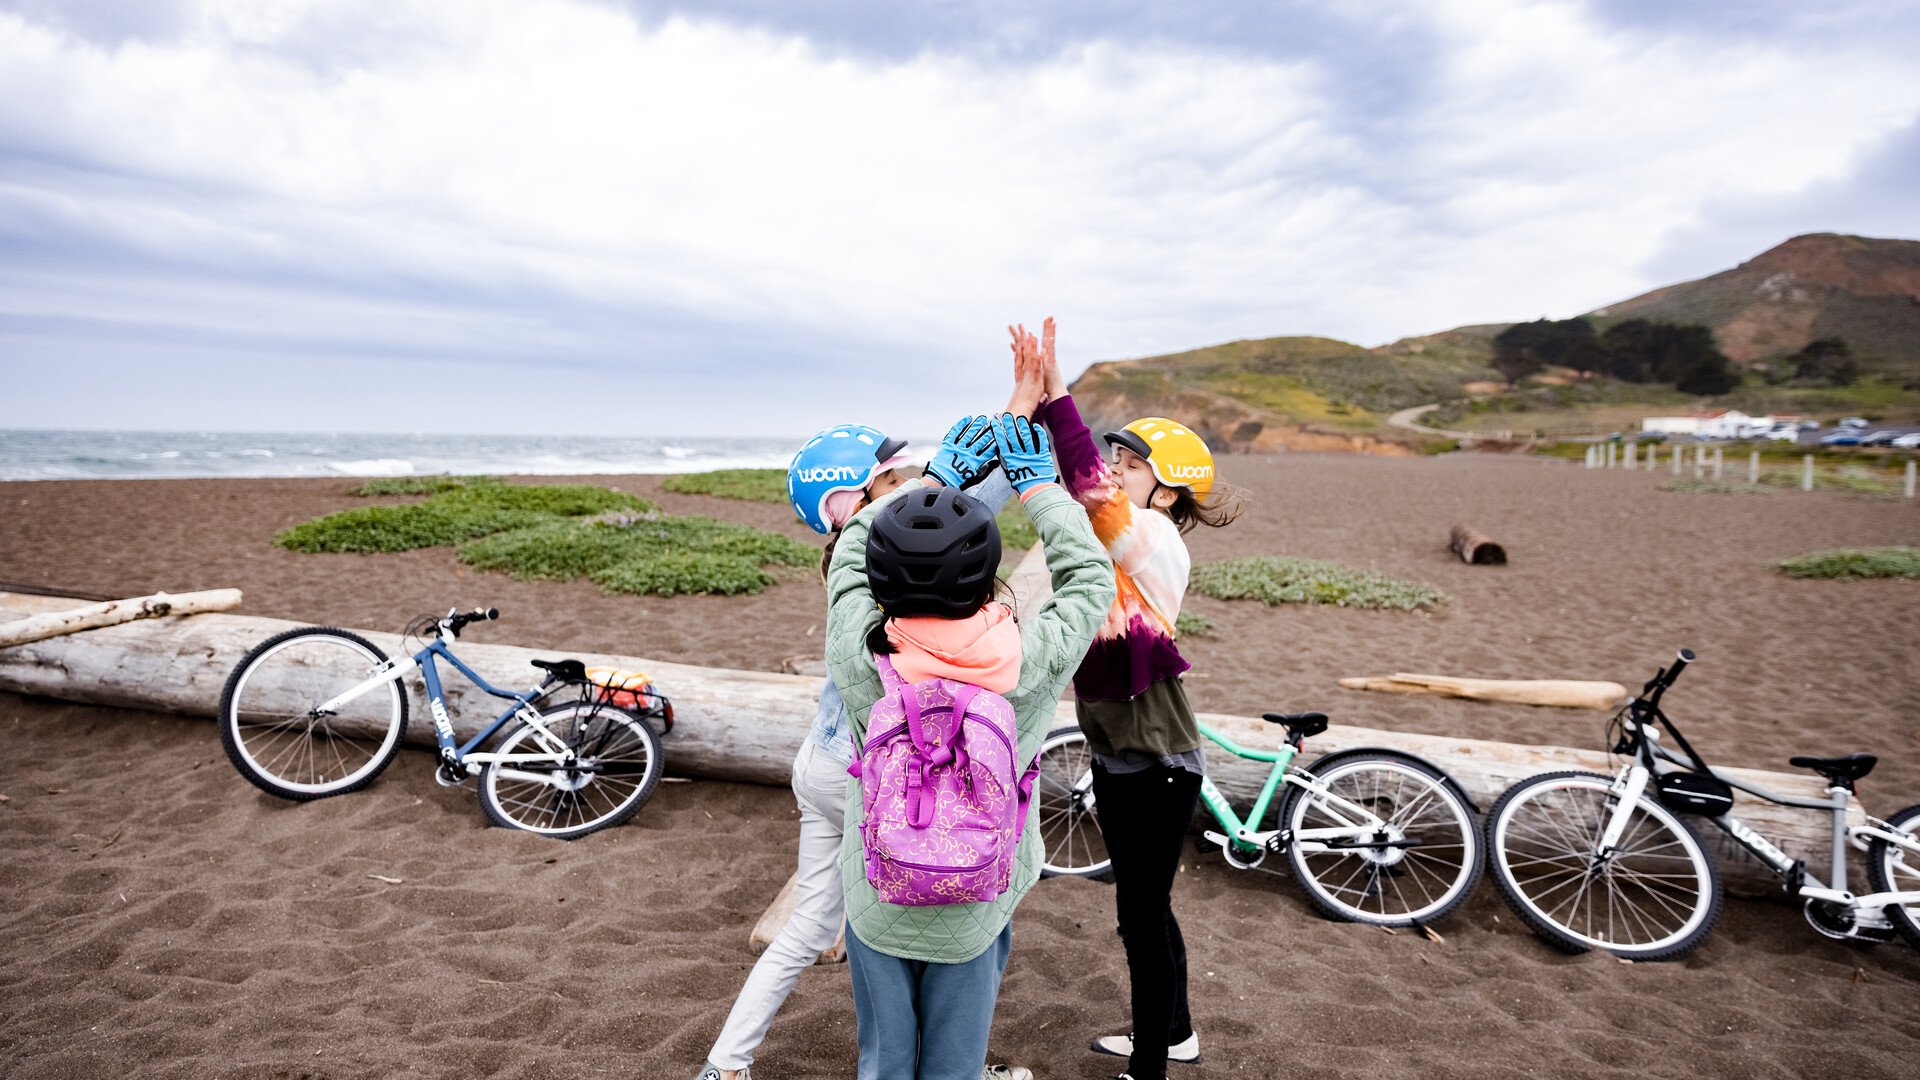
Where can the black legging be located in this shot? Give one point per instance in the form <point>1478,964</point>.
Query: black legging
<point>1144,817</point>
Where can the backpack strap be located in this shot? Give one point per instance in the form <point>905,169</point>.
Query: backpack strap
<point>1026,798</point>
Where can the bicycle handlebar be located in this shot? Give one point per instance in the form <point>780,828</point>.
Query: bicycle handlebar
<point>457,620</point>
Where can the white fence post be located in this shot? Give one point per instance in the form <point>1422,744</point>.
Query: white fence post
<point>1753,467</point>
<point>1633,453</point>
<point>1609,454</point>
<point>1717,461</point>
<point>1910,479</point>
<point>1676,461</point>
<point>1806,473</point>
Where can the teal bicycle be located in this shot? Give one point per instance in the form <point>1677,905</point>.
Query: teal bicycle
<point>1372,835</point>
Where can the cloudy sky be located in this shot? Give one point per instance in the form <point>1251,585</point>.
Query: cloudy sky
<point>764,216</point>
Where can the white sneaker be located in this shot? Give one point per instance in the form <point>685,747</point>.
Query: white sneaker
<point>1186,1052</point>
<point>1006,1072</point>
<point>712,1072</point>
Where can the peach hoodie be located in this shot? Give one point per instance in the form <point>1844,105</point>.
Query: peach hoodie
<point>982,649</point>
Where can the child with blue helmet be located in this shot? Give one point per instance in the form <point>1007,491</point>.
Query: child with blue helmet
<point>834,475</point>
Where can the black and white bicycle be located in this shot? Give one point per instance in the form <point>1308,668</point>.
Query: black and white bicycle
<point>1611,862</point>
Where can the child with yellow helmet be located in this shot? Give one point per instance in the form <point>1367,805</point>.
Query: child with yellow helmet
<point>1127,693</point>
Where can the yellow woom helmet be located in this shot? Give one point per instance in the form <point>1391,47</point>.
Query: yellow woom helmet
<point>1179,457</point>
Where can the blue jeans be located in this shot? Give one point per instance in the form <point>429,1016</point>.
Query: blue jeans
<point>924,1021</point>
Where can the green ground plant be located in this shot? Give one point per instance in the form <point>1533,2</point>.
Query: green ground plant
<point>1879,562</point>
<point>1712,487</point>
<point>419,485</point>
<point>1016,528</point>
<point>1193,624</point>
<point>451,516</point>
<point>642,552</point>
<point>1282,580</point>
<point>752,485</point>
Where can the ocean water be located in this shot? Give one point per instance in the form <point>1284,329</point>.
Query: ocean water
<point>104,455</point>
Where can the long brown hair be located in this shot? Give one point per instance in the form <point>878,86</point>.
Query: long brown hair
<point>1224,506</point>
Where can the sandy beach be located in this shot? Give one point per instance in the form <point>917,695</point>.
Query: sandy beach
<point>169,920</point>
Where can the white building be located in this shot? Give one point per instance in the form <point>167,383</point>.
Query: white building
<point>1716,424</point>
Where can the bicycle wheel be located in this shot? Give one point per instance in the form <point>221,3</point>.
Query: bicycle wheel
<point>616,766</point>
<point>274,733</point>
<point>1069,830</point>
<point>1417,867</point>
<point>1654,898</point>
<point>1893,869</point>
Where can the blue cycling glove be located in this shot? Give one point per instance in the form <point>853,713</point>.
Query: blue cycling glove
<point>966,455</point>
<point>1026,453</point>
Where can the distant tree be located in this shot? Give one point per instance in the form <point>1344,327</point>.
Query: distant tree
<point>1588,357</point>
<point>1552,340</point>
<point>1515,362</point>
<point>1641,350</point>
<point>1828,360</point>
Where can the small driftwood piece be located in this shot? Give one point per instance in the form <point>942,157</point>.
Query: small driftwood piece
<point>1565,693</point>
<point>776,916</point>
<point>1476,549</point>
<point>114,612</point>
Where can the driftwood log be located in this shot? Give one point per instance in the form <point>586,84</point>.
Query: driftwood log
<point>113,612</point>
<point>746,725</point>
<point>1475,548</point>
<point>776,916</point>
<point>1566,693</point>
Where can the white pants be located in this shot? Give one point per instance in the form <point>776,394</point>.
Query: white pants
<point>819,909</point>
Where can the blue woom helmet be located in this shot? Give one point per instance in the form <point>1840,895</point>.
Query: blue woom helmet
<point>842,458</point>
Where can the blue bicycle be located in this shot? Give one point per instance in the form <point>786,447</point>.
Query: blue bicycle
<point>319,711</point>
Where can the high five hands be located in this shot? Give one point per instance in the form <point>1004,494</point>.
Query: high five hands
<point>975,443</point>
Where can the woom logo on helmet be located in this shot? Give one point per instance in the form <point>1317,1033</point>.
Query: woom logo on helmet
<point>1190,472</point>
<point>827,473</point>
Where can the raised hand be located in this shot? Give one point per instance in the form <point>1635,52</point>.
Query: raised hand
<point>966,455</point>
<point>1055,384</point>
<point>1029,375</point>
<point>1025,452</point>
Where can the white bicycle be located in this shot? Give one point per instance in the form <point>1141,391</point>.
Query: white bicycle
<point>1611,862</point>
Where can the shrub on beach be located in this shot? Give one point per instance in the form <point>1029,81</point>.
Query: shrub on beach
<point>1282,580</point>
<point>419,485</point>
<point>753,485</point>
<point>1016,528</point>
<point>1193,624</point>
<point>642,552</point>
<point>451,516</point>
<point>1880,562</point>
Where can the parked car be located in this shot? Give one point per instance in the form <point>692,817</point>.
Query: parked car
<point>1809,425</point>
<point>1853,422</point>
<point>1843,437</point>
<point>1788,433</point>
<point>1909,441</point>
<point>1879,438</point>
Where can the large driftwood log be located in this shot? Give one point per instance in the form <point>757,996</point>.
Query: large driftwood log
<point>1475,548</point>
<point>746,725</point>
<point>1566,693</point>
<point>113,612</point>
<point>776,916</point>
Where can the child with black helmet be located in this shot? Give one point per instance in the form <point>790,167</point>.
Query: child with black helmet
<point>912,579</point>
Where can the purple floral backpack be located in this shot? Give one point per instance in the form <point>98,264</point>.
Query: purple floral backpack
<point>944,812</point>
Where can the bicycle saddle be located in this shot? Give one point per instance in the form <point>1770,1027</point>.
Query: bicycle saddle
<point>563,670</point>
<point>1838,770</point>
<point>1301,725</point>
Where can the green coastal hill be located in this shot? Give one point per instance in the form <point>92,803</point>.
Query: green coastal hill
<point>1315,393</point>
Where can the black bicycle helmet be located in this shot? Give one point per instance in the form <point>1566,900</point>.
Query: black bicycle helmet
<point>933,551</point>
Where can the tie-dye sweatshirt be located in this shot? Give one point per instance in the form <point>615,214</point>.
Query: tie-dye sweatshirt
<point>1134,647</point>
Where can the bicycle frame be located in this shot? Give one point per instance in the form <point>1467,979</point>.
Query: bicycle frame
<point>1631,782</point>
<point>459,757</point>
<point>1357,820</point>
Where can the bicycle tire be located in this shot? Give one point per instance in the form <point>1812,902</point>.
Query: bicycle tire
<point>1525,831</point>
<point>563,810</point>
<point>267,723</point>
<point>1069,828</point>
<point>1891,869</point>
<point>1413,885</point>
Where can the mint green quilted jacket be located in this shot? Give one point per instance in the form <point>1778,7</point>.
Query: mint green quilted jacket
<point>1052,641</point>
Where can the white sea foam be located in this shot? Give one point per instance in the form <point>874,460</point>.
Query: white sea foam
<point>373,467</point>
